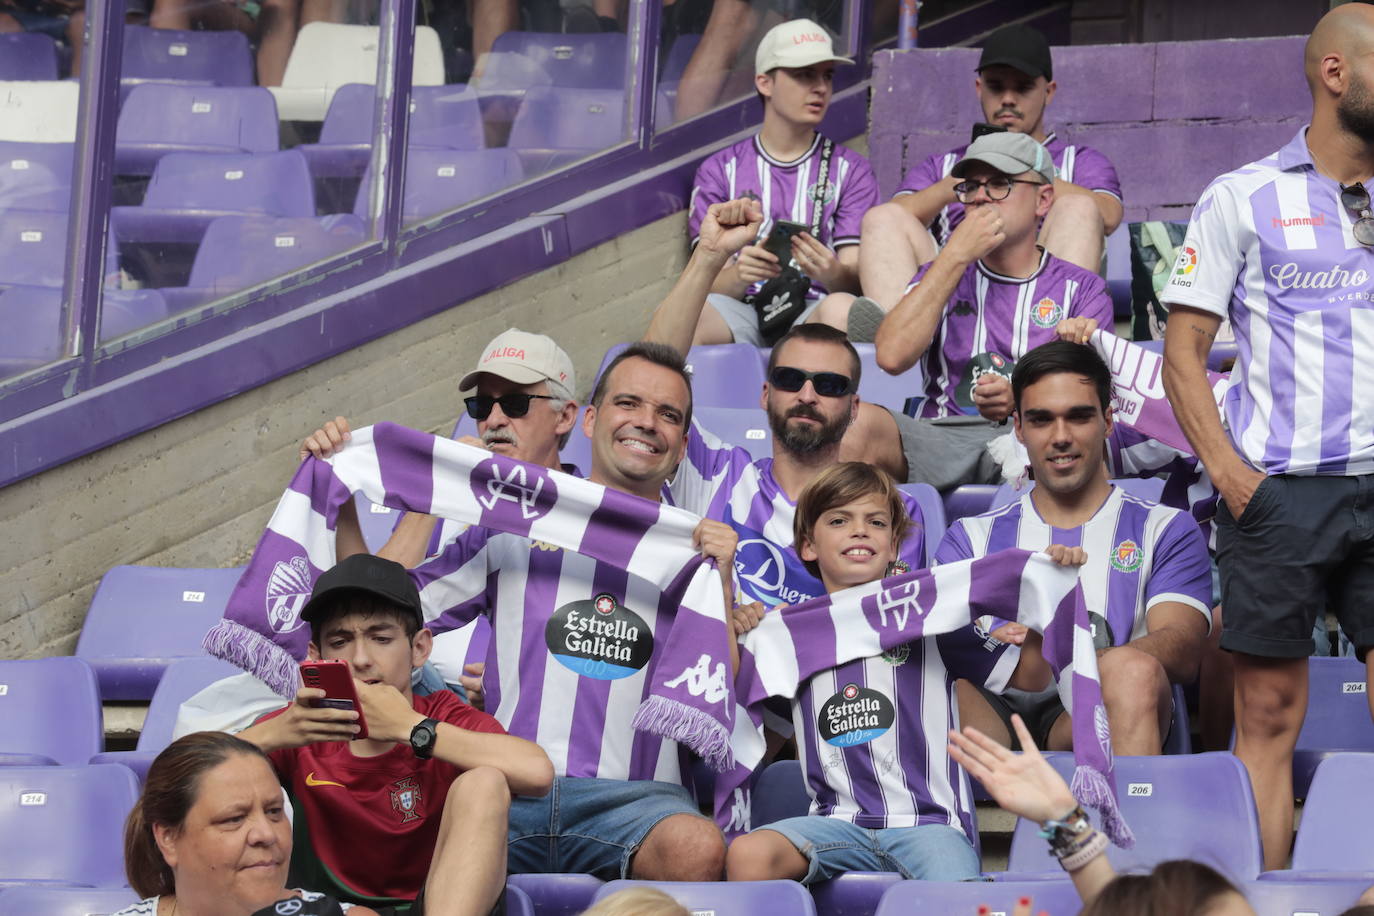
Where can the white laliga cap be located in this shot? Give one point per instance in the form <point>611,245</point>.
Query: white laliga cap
<point>799,43</point>
<point>523,358</point>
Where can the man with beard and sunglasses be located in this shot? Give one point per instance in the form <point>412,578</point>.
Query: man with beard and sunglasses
<point>1015,85</point>
<point>1282,247</point>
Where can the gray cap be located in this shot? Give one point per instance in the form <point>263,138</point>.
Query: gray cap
<point>1009,153</point>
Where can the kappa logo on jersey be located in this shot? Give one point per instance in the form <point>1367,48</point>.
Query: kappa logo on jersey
<point>1184,264</point>
<point>288,589</point>
<point>1047,313</point>
<point>1128,556</point>
<point>406,798</point>
<point>701,681</point>
<point>599,638</point>
<point>311,780</point>
<point>824,193</point>
<point>764,573</point>
<point>855,715</point>
<point>523,486</point>
<point>962,308</point>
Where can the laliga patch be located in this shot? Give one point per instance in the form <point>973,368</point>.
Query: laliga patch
<point>600,638</point>
<point>980,365</point>
<point>1184,265</point>
<point>1047,313</point>
<point>856,715</point>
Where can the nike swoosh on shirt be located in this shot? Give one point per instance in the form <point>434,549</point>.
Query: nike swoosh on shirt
<point>310,780</point>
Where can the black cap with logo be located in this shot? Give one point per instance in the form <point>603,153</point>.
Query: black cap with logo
<point>1020,47</point>
<point>372,575</point>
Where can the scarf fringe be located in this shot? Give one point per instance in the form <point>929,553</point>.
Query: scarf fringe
<point>255,653</point>
<point>691,727</point>
<point>1091,788</point>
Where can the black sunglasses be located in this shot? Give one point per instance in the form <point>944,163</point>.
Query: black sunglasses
<point>512,405</point>
<point>827,384</point>
<point>1356,199</point>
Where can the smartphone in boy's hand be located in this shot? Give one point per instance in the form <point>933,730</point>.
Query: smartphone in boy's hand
<point>779,240</point>
<point>336,680</point>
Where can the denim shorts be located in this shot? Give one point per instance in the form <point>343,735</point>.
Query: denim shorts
<point>589,826</point>
<point>933,852</point>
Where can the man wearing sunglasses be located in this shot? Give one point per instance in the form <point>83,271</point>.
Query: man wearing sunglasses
<point>1015,85</point>
<point>1282,247</point>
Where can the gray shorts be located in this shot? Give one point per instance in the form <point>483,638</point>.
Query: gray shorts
<point>1303,544</point>
<point>950,451</point>
<point>743,319</point>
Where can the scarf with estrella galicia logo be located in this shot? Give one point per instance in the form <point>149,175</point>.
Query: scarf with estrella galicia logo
<point>690,700</point>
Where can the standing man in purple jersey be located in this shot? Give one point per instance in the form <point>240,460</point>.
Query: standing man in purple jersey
<point>1144,568</point>
<point>1015,85</point>
<point>992,294</point>
<point>1282,247</point>
<point>798,176</point>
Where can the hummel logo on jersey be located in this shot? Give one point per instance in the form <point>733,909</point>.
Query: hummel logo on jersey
<point>310,780</point>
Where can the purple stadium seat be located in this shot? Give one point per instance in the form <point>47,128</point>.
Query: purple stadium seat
<point>143,617</point>
<point>183,679</point>
<point>1336,833</point>
<point>518,903</point>
<point>377,522</point>
<point>969,499</point>
<point>525,60</point>
<point>932,510</point>
<point>162,118</point>
<point>31,317</point>
<point>745,427</point>
<point>1220,353</point>
<point>675,61</point>
<point>64,825</point>
<point>779,793</point>
<point>1119,271</point>
<point>66,901</point>
<point>213,58</point>
<point>555,125</point>
<point>49,712</point>
<point>35,176</point>
<point>1156,795</point>
<point>890,391</point>
<point>448,117</point>
<point>557,894</point>
<point>190,190</point>
<point>725,375</point>
<point>1180,738</point>
<point>1337,716</point>
<point>1302,898</point>
<point>438,180</point>
<point>1055,897</point>
<point>855,893</point>
<point>241,251</point>
<point>27,56</point>
<point>33,247</point>
<point>728,898</point>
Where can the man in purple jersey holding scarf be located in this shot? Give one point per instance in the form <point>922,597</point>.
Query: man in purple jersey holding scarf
<point>1282,247</point>
<point>1015,85</point>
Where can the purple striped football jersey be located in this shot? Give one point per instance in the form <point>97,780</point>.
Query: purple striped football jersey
<point>1271,247</point>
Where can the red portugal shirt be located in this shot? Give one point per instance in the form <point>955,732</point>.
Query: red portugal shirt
<point>373,821</point>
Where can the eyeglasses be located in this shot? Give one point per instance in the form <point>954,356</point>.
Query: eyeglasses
<point>1356,199</point>
<point>512,405</point>
<point>827,384</point>
<point>997,188</point>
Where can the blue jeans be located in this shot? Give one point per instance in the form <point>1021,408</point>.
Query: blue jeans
<point>933,852</point>
<point>589,826</point>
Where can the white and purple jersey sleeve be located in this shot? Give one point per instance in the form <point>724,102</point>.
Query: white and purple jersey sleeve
<point>1004,317</point>
<point>1271,247</point>
<point>788,190</point>
<point>1140,554</point>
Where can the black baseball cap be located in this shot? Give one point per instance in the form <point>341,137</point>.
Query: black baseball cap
<point>1018,46</point>
<point>371,575</point>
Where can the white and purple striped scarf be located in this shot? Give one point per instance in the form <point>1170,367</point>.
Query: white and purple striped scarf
<point>1138,397</point>
<point>690,700</point>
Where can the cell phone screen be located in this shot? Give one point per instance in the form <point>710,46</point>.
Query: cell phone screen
<point>981,129</point>
<point>779,240</point>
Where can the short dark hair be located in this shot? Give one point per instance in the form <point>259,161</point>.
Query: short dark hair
<point>1062,356</point>
<point>169,792</point>
<point>660,354</point>
<point>367,605</point>
<point>839,485</point>
<point>819,333</point>
<point>1178,886</point>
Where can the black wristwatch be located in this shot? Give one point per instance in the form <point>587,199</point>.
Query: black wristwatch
<point>422,738</point>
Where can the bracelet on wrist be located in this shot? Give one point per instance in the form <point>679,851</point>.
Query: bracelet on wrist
<point>1064,832</point>
<point>1095,845</point>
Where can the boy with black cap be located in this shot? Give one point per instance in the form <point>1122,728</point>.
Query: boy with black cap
<point>1015,84</point>
<point>429,767</point>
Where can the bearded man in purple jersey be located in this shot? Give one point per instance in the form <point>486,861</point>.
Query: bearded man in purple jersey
<point>1015,85</point>
<point>1282,247</point>
<point>1143,567</point>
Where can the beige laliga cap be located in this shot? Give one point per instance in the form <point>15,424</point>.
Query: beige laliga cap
<point>524,358</point>
<point>1009,153</point>
<point>798,43</point>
